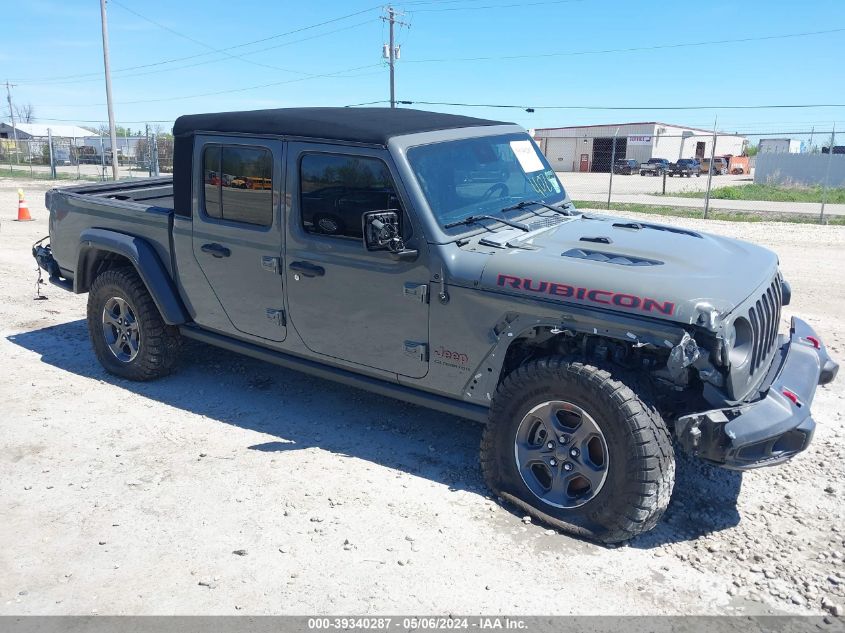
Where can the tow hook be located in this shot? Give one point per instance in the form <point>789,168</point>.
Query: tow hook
<point>688,432</point>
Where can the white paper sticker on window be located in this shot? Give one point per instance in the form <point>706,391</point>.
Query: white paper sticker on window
<point>527,156</point>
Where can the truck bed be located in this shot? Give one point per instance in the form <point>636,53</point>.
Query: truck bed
<point>143,208</point>
<point>148,192</point>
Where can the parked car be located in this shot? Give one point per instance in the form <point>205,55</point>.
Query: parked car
<point>685,167</point>
<point>585,344</point>
<point>654,167</point>
<point>626,166</point>
<point>720,166</point>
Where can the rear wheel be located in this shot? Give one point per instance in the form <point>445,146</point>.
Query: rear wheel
<point>577,449</point>
<point>130,338</point>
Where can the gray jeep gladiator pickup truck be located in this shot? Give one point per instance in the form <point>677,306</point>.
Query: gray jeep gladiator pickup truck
<point>437,259</point>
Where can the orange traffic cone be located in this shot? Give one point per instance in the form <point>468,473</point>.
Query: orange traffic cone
<point>23,208</point>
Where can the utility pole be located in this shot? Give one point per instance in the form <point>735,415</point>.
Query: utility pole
<point>710,170</point>
<point>112,131</point>
<point>392,52</point>
<point>12,114</point>
<point>612,163</point>
<point>827,172</point>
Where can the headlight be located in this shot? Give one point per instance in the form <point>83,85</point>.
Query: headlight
<point>739,340</point>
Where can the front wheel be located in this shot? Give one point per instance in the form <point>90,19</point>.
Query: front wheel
<point>130,338</point>
<point>577,449</point>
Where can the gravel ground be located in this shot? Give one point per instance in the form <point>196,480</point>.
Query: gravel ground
<point>238,487</point>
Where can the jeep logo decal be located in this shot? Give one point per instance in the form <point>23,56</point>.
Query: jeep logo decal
<point>451,358</point>
<point>602,297</point>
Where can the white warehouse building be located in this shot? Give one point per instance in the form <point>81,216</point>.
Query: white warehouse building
<point>590,147</point>
<point>780,146</point>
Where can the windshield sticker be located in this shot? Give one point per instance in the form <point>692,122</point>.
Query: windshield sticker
<point>527,156</point>
<point>544,183</point>
<point>553,180</point>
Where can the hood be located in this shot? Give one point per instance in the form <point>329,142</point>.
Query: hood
<point>633,267</point>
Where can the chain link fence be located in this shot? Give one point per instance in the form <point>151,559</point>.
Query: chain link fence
<point>86,157</point>
<point>659,168</point>
<point>645,167</point>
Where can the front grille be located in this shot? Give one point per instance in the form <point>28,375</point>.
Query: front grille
<point>764,317</point>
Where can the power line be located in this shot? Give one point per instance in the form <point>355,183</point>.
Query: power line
<point>212,61</point>
<point>230,91</point>
<point>632,49</point>
<point>229,55</point>
<point>499,6</point>
<point>366,103</point>
<point>41,118</point>
<point>221,50</point>
<point>531,108</point>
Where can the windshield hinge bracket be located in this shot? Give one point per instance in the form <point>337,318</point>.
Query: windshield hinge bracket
<point>416,291</point>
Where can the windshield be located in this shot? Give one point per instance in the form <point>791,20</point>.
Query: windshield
<point>483,175</point>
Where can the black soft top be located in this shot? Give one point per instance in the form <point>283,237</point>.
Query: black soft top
<point>363,125</point>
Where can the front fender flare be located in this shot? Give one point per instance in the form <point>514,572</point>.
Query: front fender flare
<point>146,262</point>
<point>513,326</point>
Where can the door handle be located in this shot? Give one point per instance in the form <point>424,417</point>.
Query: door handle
<point>217,250</point>
<point>307,269</point>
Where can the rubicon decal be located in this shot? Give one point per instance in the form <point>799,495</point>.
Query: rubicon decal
<point>593,295</point>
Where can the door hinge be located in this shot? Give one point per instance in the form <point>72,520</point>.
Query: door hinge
<point>278,316</point>
<point>417,350</point>
<point>416,291</point>
<point>270,264</point>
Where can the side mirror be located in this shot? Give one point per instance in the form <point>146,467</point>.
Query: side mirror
<point>382,233</point>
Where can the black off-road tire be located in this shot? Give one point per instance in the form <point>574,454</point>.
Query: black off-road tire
<point>640,465</point>
<point>159,343</point>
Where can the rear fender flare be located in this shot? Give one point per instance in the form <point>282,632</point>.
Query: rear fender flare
<point>93,243</point>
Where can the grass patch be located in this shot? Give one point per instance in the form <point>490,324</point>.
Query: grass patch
<point>770,193</point>
<point>23,174</point>
<point>698,214</point>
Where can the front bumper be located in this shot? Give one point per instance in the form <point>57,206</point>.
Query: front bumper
<point>776,427</point>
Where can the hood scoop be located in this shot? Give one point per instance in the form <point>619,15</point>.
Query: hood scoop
<point>610,258</point>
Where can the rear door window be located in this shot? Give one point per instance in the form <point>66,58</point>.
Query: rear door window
<point>238,184</point>
<point>211,181</point>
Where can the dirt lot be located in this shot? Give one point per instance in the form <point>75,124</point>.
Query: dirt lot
<point>238,487</point>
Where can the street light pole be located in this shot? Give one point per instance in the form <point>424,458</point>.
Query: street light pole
<point>107,68</point>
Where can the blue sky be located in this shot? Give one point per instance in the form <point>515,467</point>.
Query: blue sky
<point>53,52</point>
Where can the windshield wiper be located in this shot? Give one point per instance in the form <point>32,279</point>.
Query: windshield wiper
<point>527,203</point>
<point>473,219</point>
